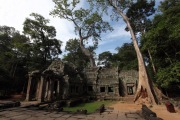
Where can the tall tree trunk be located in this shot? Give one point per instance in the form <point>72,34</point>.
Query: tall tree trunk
<point>87,53</point>
<point>158,90</point>
<point>145,86</point>
<point>153,66</point>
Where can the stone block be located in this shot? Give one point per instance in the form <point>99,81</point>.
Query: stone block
<point>21,117</point>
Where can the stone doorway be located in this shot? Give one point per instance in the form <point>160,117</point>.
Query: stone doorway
<point>130,88</point>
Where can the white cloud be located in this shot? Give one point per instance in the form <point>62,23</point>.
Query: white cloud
<point>118,33</point>
<point>65,30</point>
<point>14,12</point>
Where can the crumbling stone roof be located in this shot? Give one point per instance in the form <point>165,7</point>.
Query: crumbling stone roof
<point>34,73</point>
<point>56,68</point>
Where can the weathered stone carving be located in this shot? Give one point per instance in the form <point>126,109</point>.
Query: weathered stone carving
<point>63,81</point>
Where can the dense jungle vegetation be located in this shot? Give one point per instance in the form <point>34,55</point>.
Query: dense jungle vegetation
<point>36,47</point>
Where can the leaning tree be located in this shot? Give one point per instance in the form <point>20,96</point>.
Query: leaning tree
<point>120,8</point>
<point>75,54</point>
<point>88,25</point>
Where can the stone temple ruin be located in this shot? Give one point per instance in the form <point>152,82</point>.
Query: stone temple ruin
<point>62,81</point>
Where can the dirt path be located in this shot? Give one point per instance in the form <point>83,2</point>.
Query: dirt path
<point>160,110</point>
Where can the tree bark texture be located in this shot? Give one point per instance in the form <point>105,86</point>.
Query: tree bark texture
<point>87,53</point>
<point>145,86</point>
<point>153,66</point>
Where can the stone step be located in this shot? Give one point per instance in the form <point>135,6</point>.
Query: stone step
<point>9,104</point>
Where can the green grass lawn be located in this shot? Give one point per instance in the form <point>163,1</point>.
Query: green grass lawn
<point>90,107</point>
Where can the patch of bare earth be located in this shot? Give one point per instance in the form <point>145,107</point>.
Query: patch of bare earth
<point>160,110</point>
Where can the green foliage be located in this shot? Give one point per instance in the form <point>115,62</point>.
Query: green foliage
<point>162,40</point>
<point>20,54</point>
<point>138,14</point>
<point>75,54</point>
<point>90,107</point>
<point>38,47</point>
<point>125,58</point>
<point>44,45</point>
<point>13,52</point>
<point>169,76</point>
<point>87,24</point>
<point>5,79</point>
<point>105,59</point>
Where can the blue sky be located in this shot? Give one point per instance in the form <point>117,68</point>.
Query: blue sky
<point>14,12</point>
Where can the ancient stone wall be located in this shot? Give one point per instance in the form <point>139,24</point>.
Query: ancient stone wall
<point>91,75</point>
<point>102,81</point>
<point>62,81</point>
<point>108,82</point>
<point>128,82</point>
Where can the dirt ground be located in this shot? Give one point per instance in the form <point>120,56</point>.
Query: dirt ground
<point>160,110</point>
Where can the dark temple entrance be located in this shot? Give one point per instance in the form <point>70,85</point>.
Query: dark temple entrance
<point>130,88</point>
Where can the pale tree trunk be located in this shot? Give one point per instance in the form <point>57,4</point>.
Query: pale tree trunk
<point>150,56</point>
<point>145,86</point>
<point>85,50</point>
<point>158,91</point>
<point>153,66</point>
<point>87,53</point>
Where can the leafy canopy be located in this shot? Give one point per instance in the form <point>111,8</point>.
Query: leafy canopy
<point>45,46</point>
<point>88,25</point>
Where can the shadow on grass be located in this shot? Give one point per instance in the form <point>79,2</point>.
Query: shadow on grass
<point>90,107</point>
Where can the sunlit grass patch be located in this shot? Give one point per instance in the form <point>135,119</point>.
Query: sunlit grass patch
<point>90,107</point>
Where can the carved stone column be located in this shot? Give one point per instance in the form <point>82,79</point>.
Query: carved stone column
<point>58,89</point>
<point>46,89</point>
<point>49,90</point>
<point>52,89</point>
<point>66,87</point>
<point>106,90</point>
<point>38,88</point>
<point>28,88</point>
<point>41,90</point>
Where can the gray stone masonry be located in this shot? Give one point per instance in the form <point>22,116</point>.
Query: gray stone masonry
<point>26,114</point>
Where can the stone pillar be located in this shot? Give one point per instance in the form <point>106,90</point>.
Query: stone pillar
<point>52,90</point>
<point>46,89</point>
<point>49,91</point>
<point>66,87</point>
<point>38,88</point>
<point>41,90</point>
<point>28,88</point>
<point>116,90</point>
<point>106,89</point>
<point>58,89</point>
